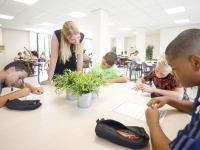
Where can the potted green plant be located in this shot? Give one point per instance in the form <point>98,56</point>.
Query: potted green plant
<point>86,85</point>
<point>114,49</point>
<point>65,82</point>
<point>149,52</point>
<point>81,85</point>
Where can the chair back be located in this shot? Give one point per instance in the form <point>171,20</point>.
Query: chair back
<point>87,62</point>
<point>154,66</point>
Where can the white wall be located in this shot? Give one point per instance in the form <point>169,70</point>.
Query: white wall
<point>14,41</point>
<point>168,34</point>
<point>112,43</point>
<point>155,41</point>
<point>120,45</point>
<point>1,54</point>
<point>129,42</point>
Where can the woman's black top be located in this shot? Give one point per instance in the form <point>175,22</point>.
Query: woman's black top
<point>71,64</point>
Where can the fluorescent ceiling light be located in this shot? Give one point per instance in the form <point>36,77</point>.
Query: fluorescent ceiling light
<point>182,21</point>
<point>111,35</point>
<point>110,23</point>
<point>0,24</point>
<point>175,10</point>
<point>6,17</point>
<point>30,29</point>
<point>134,32</point>
<point>77,14</point>
<point>29,2</point>
<point>125,29</point>
<point>47,24</point>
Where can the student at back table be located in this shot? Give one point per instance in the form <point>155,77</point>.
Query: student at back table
<point>183,55</point>
<point>107,66</point>
<point>11,75</point>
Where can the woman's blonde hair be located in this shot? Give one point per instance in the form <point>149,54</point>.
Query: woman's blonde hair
<point>69,29</point>
<point>163,62</point>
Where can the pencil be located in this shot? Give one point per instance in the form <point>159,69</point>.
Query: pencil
<point>23,83</point>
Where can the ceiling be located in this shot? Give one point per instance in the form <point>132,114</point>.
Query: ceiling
<point>123,13</point>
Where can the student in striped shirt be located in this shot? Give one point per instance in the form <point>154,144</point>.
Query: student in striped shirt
<point>183,55</point>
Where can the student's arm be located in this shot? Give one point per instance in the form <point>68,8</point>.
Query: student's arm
<point>138,83</point>
<point>177,93</point>
<point>158,139</point>
<point>185,106</point>
<point>11,96</point>
<point>121,79</point>
<point>35,90</point>
<point>80,56</point>
<point>27,50</point>
<point>53,60</point>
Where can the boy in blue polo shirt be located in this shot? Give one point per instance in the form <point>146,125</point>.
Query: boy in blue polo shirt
<point>183,55</point>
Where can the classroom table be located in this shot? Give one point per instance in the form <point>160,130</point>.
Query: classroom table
<point>60,125</point>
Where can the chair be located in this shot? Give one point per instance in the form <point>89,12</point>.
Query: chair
<point>132,67</point>
<point>154,66</point>
<point>87,62</point>
<point>119,61</point>
<point>145,72</point>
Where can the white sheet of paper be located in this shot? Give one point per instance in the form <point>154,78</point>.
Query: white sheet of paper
<point>34,96</point>
<point>140,93</point>
<point>136,111</point>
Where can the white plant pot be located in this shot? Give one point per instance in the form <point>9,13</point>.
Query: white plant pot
<point>85,101</point>
<point>70,97</point>
<point>95,96</point>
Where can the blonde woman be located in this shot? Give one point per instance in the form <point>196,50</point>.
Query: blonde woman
<point>67,45</point>
<point>164,81</point>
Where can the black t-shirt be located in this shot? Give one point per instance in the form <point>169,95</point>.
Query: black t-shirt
<point>71,64</point>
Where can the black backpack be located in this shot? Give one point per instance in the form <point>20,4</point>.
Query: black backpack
<point>107,129</point>
<point>16,104</point>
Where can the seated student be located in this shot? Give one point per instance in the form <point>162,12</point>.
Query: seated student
<point>164,81</point>
<point>43,56</point>
<point>126,54</point>
<point>34,60</point>
<point>11,75</point>
<point>183,55</point>
<point>107,66</point>
<point>26,56</point>
<point>19,56</point>
<point>135,56</point>
<point>85,57</point>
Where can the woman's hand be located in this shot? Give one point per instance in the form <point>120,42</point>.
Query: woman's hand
<point>48,81</point>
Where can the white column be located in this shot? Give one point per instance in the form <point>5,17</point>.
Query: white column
<point>31,41</point>
<point>1,54</point>
<point>120,45</point>
<point>99,34</point>
<point>141,42</point>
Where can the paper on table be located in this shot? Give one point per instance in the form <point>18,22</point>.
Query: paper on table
<point>140,93</point>
<point>136,111</point>
<point>34,96</point>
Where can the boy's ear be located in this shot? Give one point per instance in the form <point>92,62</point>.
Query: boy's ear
<point>196,62</point>
<point>11,69</point>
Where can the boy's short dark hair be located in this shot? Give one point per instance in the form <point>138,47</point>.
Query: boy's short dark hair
<point>184,44</point>
<point>19,65</point>
<point>110,58</point>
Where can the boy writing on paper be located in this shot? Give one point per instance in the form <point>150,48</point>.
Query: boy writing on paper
<point>183,55</point>
<point>164,81</point>
<point>107,66</point>
<point>11,75</point>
